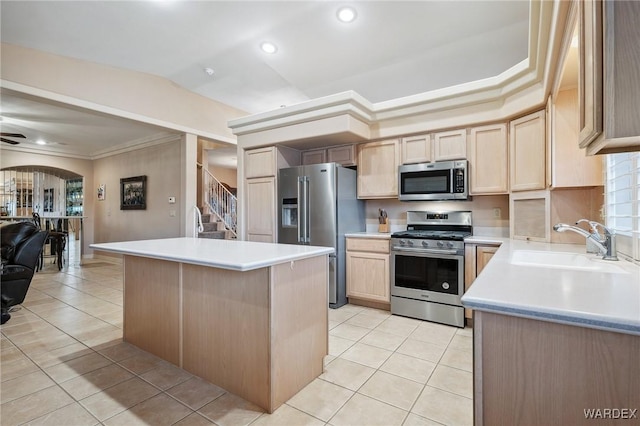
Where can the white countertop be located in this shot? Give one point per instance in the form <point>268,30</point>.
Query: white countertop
<point>225,254</point>
<point>587,298</point>
<point>382,235</point>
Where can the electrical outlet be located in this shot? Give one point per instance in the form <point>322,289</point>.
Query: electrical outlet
<point>172,213</point>
<point>497,213</point>
<point>172,200</point>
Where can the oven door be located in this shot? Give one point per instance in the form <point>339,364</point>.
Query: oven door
<point>434,276</point>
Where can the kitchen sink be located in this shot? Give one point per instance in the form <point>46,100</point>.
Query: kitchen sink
<point>564,260</point>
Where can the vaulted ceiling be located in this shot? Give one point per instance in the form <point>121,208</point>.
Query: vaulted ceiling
<point>393,49</point>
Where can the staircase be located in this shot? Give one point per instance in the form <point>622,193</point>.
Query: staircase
<point>219,203</point>
<point>214,230</point>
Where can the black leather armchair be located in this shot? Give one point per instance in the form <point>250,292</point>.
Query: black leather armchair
<point>21,244</point>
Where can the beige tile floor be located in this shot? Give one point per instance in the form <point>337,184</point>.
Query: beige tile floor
<point>63,362</point>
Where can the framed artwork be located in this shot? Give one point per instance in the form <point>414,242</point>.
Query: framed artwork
<point>47,206</point>
<point>101,193</point>
<point>133,193</point>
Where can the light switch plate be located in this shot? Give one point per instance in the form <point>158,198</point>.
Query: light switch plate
<point>172,200</point>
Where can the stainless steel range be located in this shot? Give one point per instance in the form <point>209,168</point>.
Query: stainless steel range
<point>427,266</point>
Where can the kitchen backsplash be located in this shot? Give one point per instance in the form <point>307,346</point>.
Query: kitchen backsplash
<point>483,207</point>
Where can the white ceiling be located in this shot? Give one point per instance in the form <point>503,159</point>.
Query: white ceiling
<point>392,50</point>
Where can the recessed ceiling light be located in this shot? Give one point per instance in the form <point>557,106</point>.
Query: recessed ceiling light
<point>268,47</point>
<point>346,14</point>
<point>209,71</point>
<point>41,142</point>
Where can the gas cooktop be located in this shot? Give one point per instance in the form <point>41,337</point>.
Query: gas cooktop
<point>433,235</point>
<point>453,226</point>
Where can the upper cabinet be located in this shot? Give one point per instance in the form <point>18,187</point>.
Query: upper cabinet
<point>314,156</point>
<point>609,85</point>
<point>378,169</point>
<point>416,149</point>
<point>488,160</point>
<point>570,166</point>
<point>345,155</point>
<point>451,145</point>
<point>260,162</point>
<point>528,152</point>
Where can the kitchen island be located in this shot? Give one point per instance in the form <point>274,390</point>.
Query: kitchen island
<point>556,336</point>
<point>249,317</point>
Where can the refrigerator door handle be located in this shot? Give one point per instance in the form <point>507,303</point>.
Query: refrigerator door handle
<point>306,213</point>
<point>299,210</point>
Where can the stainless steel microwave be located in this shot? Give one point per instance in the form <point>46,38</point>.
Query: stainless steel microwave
<point>444,180</point>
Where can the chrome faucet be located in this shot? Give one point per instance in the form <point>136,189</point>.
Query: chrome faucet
<point>606,245</point>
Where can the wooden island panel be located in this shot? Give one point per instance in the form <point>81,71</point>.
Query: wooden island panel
<point>152,308</point>
<point>299,326</point>
<point>261,334</point>
<point>226,329</point>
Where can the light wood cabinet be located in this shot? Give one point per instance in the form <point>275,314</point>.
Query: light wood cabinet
<point>590,70</point>
<point>609,84</point>
<point>367,261</point>
<point>314,156</point>
<point>261,209</point>
<point>570,166</point>
<point>417,149</point>
<point>260,162</point>
<point>476,257</point>
<point>344,155</point>
<point>488,160</point>
<point>259,215</point>
<point>528,152</point>
<point>451,145</point>
<point>550,373</point>
<point>378,169</point>
<point>530,215</point>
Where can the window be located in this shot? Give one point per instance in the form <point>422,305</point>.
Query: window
<point>623,201</point>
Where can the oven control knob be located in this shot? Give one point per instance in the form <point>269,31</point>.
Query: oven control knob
<point>403,242</point>
<point>440,244</point>
<point>445,285</point>
<point>410,243</point>
<point>425,244</point>
<point>449,244</point>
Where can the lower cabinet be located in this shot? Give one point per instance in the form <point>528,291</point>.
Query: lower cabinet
<point>476,258</point>
<point>367,261</point>
<point>261,209</point>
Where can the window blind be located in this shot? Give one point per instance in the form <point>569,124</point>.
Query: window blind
<point>623,200</point>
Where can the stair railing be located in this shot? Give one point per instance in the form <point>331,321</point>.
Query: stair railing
<point>220,201</point>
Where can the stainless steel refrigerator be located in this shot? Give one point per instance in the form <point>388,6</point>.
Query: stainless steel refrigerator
<point>317,206</point>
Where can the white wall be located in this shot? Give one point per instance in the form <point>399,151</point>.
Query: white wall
<point>225,175</point>
<point>162,166</point>
<point>136,95</point>
<point>483,206</point>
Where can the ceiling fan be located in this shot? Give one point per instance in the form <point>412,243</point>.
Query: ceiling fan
<point>11,135</point>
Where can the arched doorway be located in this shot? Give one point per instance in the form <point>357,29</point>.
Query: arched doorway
<point>44,190</point>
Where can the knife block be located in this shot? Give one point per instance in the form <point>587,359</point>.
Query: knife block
<point>384,227</point>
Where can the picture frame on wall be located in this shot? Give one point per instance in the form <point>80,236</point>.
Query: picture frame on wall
<point>133,193</point>
<point>101,192</point>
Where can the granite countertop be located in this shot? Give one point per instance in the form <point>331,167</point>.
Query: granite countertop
<point>385,235</point>
<point>224,254</point>
<point>607,296</point>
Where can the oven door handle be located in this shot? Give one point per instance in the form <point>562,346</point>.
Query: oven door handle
<point>424,250</point>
